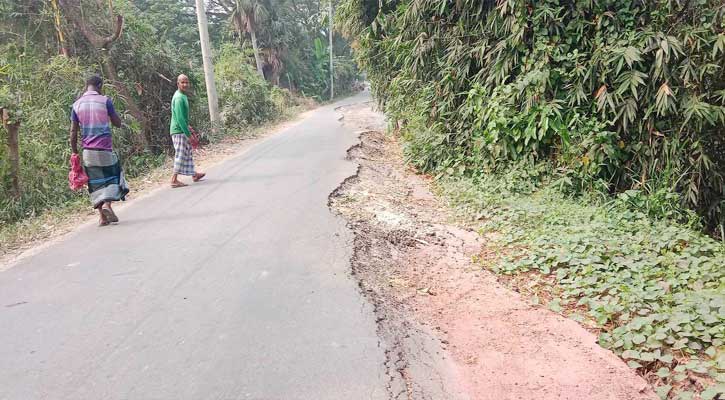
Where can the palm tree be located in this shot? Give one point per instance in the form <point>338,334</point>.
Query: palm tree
<point>246,16</point>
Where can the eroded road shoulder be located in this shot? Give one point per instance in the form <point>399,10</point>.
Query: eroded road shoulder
<point>454,331</point>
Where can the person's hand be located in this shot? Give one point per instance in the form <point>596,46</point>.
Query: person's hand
<point>194,140</point>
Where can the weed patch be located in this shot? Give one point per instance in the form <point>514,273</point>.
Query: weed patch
<point>656,289</point>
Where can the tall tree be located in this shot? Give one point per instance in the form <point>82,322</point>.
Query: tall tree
<point>251,13</point>
<point>176,21</point>
<point>246,17</point>
<point>102,45</point>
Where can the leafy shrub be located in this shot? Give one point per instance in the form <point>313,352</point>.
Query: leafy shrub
<point>283,99</point>
<point>616,94</point>
<point>245,98</point>
<point>44,93</point>
<point>309,69</point>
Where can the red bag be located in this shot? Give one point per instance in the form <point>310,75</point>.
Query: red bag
<point>194,139</point>
<point>77,178</point>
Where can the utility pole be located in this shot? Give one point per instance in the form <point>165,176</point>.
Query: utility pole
<point>208,66</point>
<point>332,51</point>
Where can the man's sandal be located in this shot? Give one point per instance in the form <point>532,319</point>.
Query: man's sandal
<point>110,215</point>
<point>178,184</point>
<point>198,177</point>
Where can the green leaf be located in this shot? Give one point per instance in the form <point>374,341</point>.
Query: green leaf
<point>663,391</point>
<point>709,393</point>
<point>686,395</point>
<point>555,306</point>
<point>663,372</point>
<point>627,354</point>
<point>666,358</point>
<point>632,55</point>
<point>638,339</point>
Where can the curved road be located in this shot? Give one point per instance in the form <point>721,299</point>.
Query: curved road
<point>234,288</point>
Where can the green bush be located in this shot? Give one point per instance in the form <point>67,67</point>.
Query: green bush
<point>43,92</point>
<point>615,95</point>
<point>244,97</point>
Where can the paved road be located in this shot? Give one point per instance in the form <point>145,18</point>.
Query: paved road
<point>235,288</point>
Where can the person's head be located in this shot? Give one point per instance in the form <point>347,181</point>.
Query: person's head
<point>182,82</point>
<point>94,82</point>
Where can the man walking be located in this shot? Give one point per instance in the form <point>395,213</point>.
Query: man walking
<point>180,133</point>
<point>92,114</point>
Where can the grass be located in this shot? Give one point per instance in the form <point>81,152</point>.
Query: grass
<point>653,289</point>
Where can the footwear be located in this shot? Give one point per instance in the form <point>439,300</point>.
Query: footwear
<point>103,222</point>
<point>198,177</point>
<point>178,184</point>
<point>110,215</point>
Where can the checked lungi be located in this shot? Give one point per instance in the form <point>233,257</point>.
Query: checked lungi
<point>105,177</point>
<point>183,158</point>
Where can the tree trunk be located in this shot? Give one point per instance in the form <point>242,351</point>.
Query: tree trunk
<point>13,152</point>
<point>59,29</point>
<point>291,84</point>
<point>257,57</point>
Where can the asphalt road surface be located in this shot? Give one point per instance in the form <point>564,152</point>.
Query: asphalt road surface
<point>234,288</point>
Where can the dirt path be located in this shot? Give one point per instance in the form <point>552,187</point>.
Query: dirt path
<point>416,267</point>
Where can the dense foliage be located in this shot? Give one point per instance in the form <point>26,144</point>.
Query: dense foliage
<point>616,95</point>
<point>590,136</point>
<point>288,41</point>
<point>47,48</point>
<point>306,53</point>
<point>245,98</point>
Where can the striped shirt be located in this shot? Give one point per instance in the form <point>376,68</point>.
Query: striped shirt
<point>93,111</point>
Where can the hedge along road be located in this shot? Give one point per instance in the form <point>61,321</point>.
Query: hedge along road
<point>238,287</point>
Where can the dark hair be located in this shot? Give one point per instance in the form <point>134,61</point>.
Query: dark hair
<point>94,80</point>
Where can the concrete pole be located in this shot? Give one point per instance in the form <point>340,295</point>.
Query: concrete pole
<point>332,76</point>
<point>208,66</point>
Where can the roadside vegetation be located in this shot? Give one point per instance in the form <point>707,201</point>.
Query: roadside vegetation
<point>270,55</point>
<point>588,139</point>
<point>654,289</point>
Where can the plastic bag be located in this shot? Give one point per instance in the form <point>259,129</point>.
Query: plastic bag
<point>77,178</point>
<point>194,139</point>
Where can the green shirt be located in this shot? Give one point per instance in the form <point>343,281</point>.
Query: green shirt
<point>180,114</point>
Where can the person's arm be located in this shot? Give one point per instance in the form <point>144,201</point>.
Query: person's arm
<point>115,119</point>
<point>74,128</point>
<point>180,114</point>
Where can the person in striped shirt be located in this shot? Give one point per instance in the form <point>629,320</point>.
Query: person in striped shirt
<point>92,115</point>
